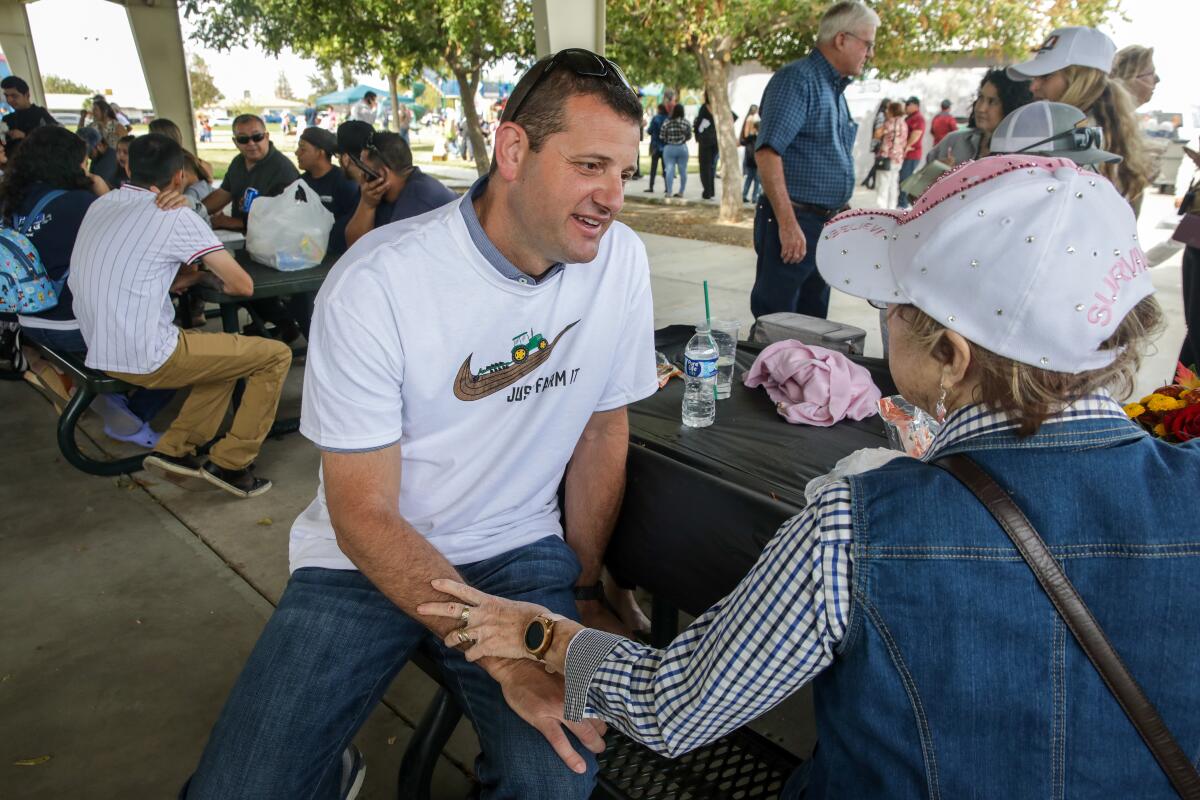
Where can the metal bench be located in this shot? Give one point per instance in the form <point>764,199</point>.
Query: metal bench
<point>741,766</point>
<point>89,384</point>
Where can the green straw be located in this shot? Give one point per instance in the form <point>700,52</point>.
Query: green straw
<point>708,321</point>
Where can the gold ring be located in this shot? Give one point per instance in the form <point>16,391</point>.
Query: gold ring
<point>464,637</point>
<point>465,615</point>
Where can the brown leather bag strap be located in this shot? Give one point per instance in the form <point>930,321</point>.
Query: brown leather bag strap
<point>1141,712</point>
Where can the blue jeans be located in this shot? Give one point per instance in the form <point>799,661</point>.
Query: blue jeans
<point>330,651</point>
<point>778,286</point>
<point>143,403</point>
<point>675,157</point>
<point>751,180</point>
<point>907,168</point>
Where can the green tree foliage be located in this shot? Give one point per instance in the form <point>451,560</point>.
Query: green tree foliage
<point>401,37</point>
<point>657,37</point>
<point>204,90</point>
<point>55,84</point>
<point>323,81</point>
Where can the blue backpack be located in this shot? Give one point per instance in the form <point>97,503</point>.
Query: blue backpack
<point>25,288</point>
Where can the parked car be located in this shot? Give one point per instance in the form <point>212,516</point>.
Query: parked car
<point>272,116</point>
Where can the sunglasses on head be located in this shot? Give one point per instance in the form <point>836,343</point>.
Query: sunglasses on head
<point>1079,139</point>
<point>579,61</point>
<point>254,137</point>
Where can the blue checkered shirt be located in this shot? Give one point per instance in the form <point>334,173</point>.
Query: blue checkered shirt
<point>773,634</point>
<point>805,119</point>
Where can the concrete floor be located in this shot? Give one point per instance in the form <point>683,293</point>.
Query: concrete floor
<point>130,606</point>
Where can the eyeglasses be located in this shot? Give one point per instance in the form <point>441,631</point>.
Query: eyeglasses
<point>1152,76</point>
<point>870,43</point>
<point>254,137</point>
<point>1080,139</point>
<point>579,61</point>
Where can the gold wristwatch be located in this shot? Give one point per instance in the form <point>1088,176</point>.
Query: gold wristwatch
<point>539,633</point>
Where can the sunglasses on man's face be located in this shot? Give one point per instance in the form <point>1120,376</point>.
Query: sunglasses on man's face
<point>254,137</point>
<point>579,61</point>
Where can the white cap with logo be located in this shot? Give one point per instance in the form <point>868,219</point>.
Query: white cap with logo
<point>1066,47</point>
<point>1035,259</point>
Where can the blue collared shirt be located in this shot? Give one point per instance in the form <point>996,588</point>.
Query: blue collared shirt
<point>488,250</point>
<point>806,120</point>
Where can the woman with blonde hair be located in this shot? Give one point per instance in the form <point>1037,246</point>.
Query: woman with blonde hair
<point>1072,67</point>
<point>1134,67</point>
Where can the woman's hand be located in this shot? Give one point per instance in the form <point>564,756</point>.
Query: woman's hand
<point>495,626</point>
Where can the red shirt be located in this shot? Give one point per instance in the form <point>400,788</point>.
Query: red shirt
<point>915,122</point>
<point>942,124</point>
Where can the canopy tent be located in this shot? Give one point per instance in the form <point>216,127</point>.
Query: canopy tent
<point>349,96</point>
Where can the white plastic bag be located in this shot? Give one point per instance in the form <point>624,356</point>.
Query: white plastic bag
<point>287,232</point>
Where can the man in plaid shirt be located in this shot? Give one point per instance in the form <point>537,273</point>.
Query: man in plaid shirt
<point>804,154</point>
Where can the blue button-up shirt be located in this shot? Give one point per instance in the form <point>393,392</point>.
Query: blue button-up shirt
<point>805,119</point>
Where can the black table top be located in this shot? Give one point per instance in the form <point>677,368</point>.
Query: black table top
<point>700,504</point>
<point>271,282</point>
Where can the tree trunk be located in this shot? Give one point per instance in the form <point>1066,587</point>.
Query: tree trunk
<point>395,98</point>
<point>714,67</point>
<point>468,83</point>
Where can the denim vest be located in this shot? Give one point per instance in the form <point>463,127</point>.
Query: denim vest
<point>957,678</point>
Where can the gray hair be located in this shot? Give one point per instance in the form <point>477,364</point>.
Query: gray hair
<point>846,16</point>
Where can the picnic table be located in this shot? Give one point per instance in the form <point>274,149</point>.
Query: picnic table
<point>701,504</point>
<point>270,282</point>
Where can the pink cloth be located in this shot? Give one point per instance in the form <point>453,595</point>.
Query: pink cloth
<point>813,385</point>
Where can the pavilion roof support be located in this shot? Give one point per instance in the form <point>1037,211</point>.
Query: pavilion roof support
<point>17,43</point>
<point>159,40</point>
<point>568,23</point>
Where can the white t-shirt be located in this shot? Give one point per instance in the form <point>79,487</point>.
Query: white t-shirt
<point>364,112</point>
<point>404,326</point>
<point>126,254</point>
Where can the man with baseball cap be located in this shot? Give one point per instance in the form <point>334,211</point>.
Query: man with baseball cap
<point>314,153</point>
<point>393,188</point>
<point>915,121</point>
<point>1074,46</point>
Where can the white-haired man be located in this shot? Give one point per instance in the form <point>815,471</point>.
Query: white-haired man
<point>805,161</point>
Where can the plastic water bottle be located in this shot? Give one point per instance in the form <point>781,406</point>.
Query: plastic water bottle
<point>700,376</point>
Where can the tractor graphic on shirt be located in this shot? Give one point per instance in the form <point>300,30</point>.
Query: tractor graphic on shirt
<point>525,343</point>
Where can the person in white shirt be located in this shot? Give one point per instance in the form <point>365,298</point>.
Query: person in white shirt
<point>463,365</point>
<point>366,109</point>
<point>127,258</point>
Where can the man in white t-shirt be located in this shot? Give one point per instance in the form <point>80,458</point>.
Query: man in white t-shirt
<point>463,365</point>
<point>367,109</point>
<point>128,255</point>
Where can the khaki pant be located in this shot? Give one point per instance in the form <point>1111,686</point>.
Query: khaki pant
<point>211,364</point>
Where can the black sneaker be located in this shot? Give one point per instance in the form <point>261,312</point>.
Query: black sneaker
<point>182,471</point>
<point>354,771</point>
<point>240,482</point>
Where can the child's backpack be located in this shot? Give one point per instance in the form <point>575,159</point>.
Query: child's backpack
<point>25,288</point>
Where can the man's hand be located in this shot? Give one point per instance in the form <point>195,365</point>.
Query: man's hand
<point>373,191</point>
<point>188,275</point>
<point>15,133</point>
<point>222,221</point>
<point>792,244</point>
<point>537,697</point>
<point>170,199</point>
<point>594,614</point>
<point>99,186</point>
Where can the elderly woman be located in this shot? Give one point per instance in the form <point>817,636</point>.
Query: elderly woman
<point>1019,299</point>
<point>1134,66</point>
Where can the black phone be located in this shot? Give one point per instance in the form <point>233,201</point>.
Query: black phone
<point>370,173</point>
